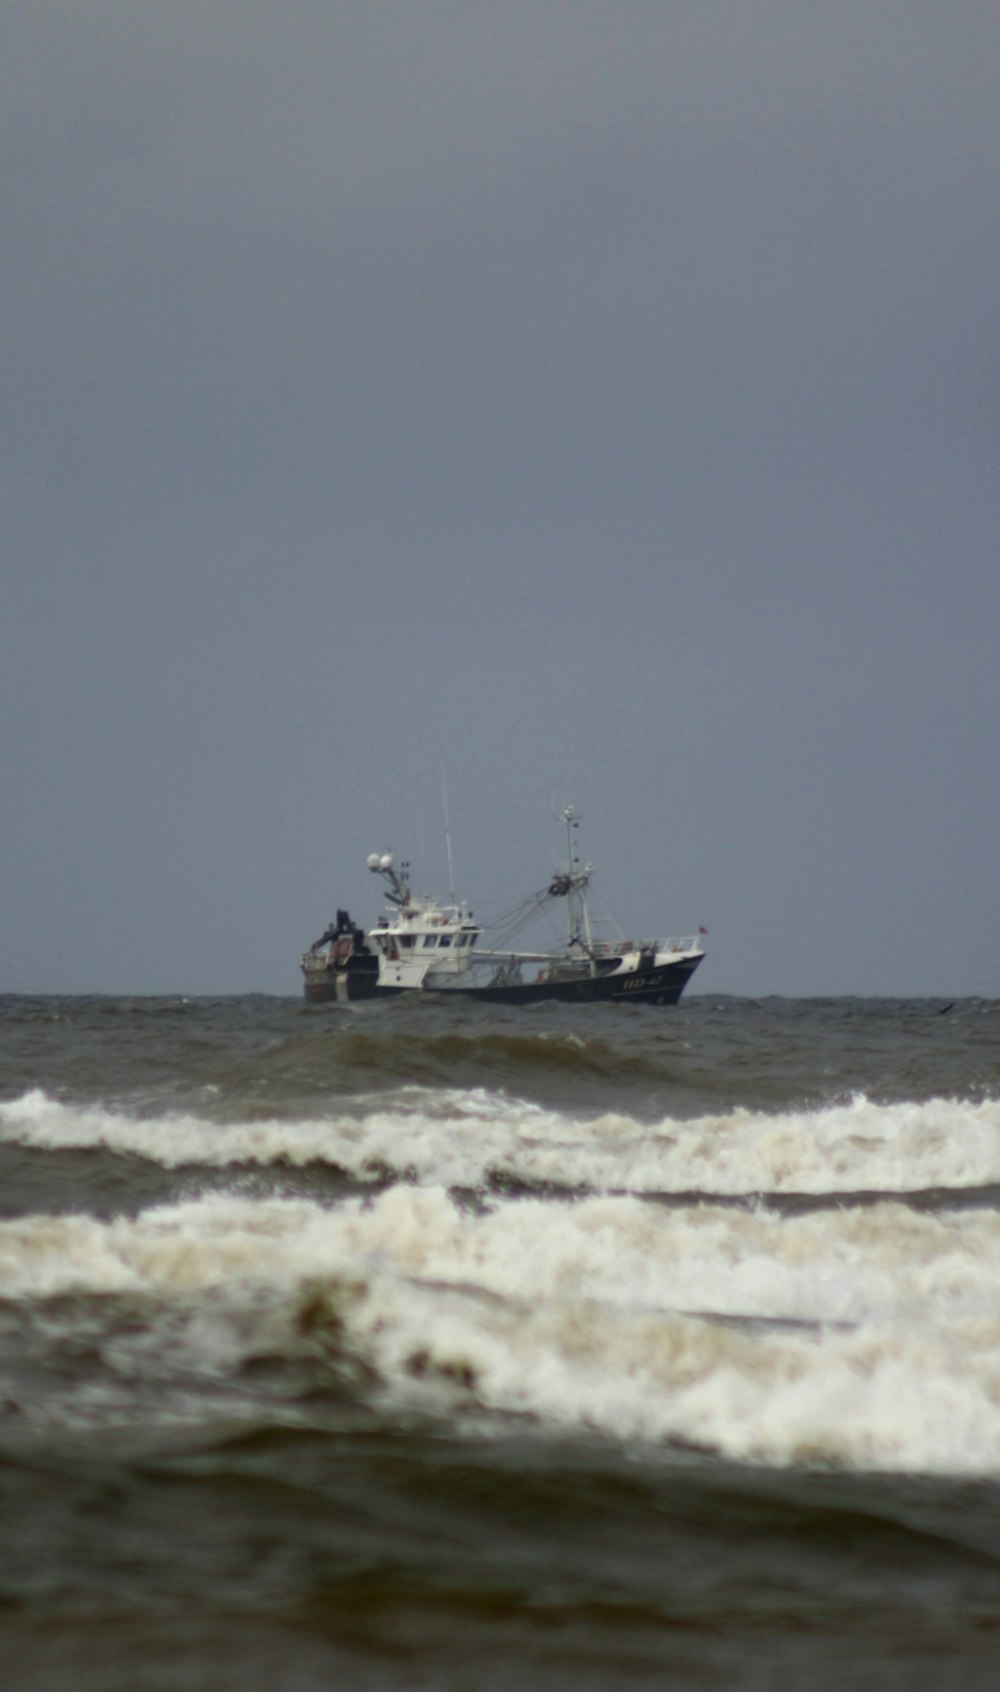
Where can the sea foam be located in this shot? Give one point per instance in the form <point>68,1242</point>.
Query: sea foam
<point>468,1137</point>
<point>865,1338</point>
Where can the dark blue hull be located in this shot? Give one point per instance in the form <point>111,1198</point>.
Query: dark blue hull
<point>660,984</point>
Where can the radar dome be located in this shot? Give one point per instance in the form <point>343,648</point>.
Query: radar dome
<point>373,860</point>
<point>385,861</point>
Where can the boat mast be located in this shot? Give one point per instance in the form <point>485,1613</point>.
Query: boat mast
<point>577,909</point>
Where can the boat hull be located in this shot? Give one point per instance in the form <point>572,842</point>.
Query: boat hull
<point>659,984</point>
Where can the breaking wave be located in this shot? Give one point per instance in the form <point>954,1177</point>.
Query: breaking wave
<point>867,1339</point>
<point>471,1138</point>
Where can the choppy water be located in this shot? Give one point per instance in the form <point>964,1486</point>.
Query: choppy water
<point>419,1346</point>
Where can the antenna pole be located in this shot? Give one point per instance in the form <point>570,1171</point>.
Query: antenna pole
<point>447,835</point>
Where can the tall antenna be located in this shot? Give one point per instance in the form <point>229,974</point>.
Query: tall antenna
<point>447,834</point>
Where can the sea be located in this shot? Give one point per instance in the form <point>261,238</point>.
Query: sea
<point>427,1345</point>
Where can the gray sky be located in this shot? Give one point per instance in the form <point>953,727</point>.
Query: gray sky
<point>599,398</point>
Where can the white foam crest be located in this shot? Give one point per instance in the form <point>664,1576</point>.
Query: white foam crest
<point>433,1134</point>
<point>901,1147</point>
<point>459,1137</point>
<point>581,1314</point>
<point>609,1313</point>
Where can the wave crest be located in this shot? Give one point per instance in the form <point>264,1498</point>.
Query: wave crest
<point>862,1339</point>
<point>454,1137</point>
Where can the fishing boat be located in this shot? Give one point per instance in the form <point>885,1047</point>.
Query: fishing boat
<point>425,945</point>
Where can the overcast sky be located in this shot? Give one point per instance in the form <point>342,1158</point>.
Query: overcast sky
<point>602,400</point>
